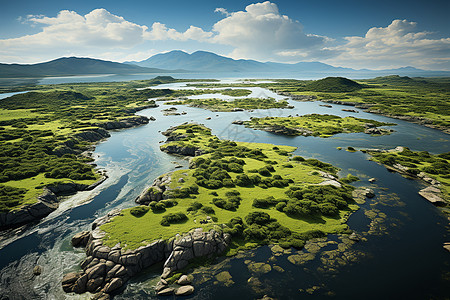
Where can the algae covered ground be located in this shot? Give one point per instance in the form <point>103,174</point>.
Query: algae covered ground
<point>313,124</point>
<point>257,192</point>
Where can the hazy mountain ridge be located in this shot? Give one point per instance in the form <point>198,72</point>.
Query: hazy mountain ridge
<point>202,61</point>
<point>66,66</point>
<point>198,62</point>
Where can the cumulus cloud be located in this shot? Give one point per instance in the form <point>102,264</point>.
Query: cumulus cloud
<point>160,31</point>
<point>396,45</point>
<point>70,33</point>
<point>222,11</point>
<point>261,32</point>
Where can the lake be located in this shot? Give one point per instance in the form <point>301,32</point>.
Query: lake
<point>402,257</point>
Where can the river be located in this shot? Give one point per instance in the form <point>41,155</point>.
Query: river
<point>402,257</point>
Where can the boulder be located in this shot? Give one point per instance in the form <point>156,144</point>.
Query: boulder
<point>372,180</point>
<point>37,270</point>
<point>113,285</point>
<point>184,280</point>
<point>80,285</point>
<point>93,285</point>
<point>81,239</point>
<point>369,193</point>
<point>166,292</point>
<point>184,290</point>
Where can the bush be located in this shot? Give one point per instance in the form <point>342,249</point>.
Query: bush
<point>264,172</point>
<point>265,203</point>
<point>139,211</point>
<point>194,206</point>
<point>298,158</point>
<point>173,218</point>
<point>208,210</point>
<point>260,218</point>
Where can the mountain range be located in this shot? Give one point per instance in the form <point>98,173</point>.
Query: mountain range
<point>67,66</point>
<point>202,61</point>
<point>198,62</point>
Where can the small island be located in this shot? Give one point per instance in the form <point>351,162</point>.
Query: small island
<point>233,196</point>
<point>237,104</point>
<point>317,125</point>
<point>432,169</point>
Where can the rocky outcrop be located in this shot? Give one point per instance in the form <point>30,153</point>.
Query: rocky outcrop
<point>124,123</point>
<point>183,150</point>
<point>194,244</point>
<point>107,269</point>
<point>433,195</point>
<point>92,135</point>
<point>156,191</point>
<point>282,130</point>
<point>46,203</point>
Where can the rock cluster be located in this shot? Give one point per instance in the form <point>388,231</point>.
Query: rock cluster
<point>106,269</point>
<point>125,123</point>
<point>156,191</point>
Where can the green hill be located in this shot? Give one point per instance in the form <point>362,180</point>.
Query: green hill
<point>333,85</point>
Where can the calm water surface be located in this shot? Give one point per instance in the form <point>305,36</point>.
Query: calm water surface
<point>402,257</point>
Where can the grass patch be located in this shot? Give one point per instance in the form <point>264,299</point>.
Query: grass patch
<point>294,186</point>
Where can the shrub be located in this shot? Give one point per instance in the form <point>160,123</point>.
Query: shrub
<point>194,206</point>
<point>260,218</point>
<point>298,158</point>
<point>264,172</point>
<point>208,210</point>
<point>173,218</point>
<point>139,211</point>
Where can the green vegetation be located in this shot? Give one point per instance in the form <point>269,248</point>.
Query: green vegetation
<point>313,124</point>
<point>44,133</point>
<point>241,188</point>
<point>333,84</point>
<point>426,98</point>
<point>415,162</point>
<point>232,105</point>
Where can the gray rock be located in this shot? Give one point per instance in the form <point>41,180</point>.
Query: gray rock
<point>81,239</point>
<point>184,290</point>
<point>184,280</point>
<point>80,285</point>
<point>369,193</point>
<point>37,270</point>
<point>113,285</point>
<point>372,180</point>
<point>96,271</point>
<point>93,285</point>
<point>166,292</point>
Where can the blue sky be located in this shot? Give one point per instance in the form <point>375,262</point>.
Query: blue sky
<point>358,34</point>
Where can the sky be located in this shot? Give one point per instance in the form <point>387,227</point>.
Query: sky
<point>357,34</point>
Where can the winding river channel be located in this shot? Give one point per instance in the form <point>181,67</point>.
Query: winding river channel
<point>400,257</point>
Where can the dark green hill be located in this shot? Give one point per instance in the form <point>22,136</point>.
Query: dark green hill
<point>333,85</point>
<point>396,80</point>
<point>68,66</point>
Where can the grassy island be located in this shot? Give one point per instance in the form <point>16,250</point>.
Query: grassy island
<point>257,192</point>
<point>316,125</point>
<point>434,169</point>
<point>215,104</point>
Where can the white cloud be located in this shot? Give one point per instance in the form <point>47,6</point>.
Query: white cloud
<point>261,32</point>
<point>160,31</point>
<point>396,45</point>
<point>222,11</point>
